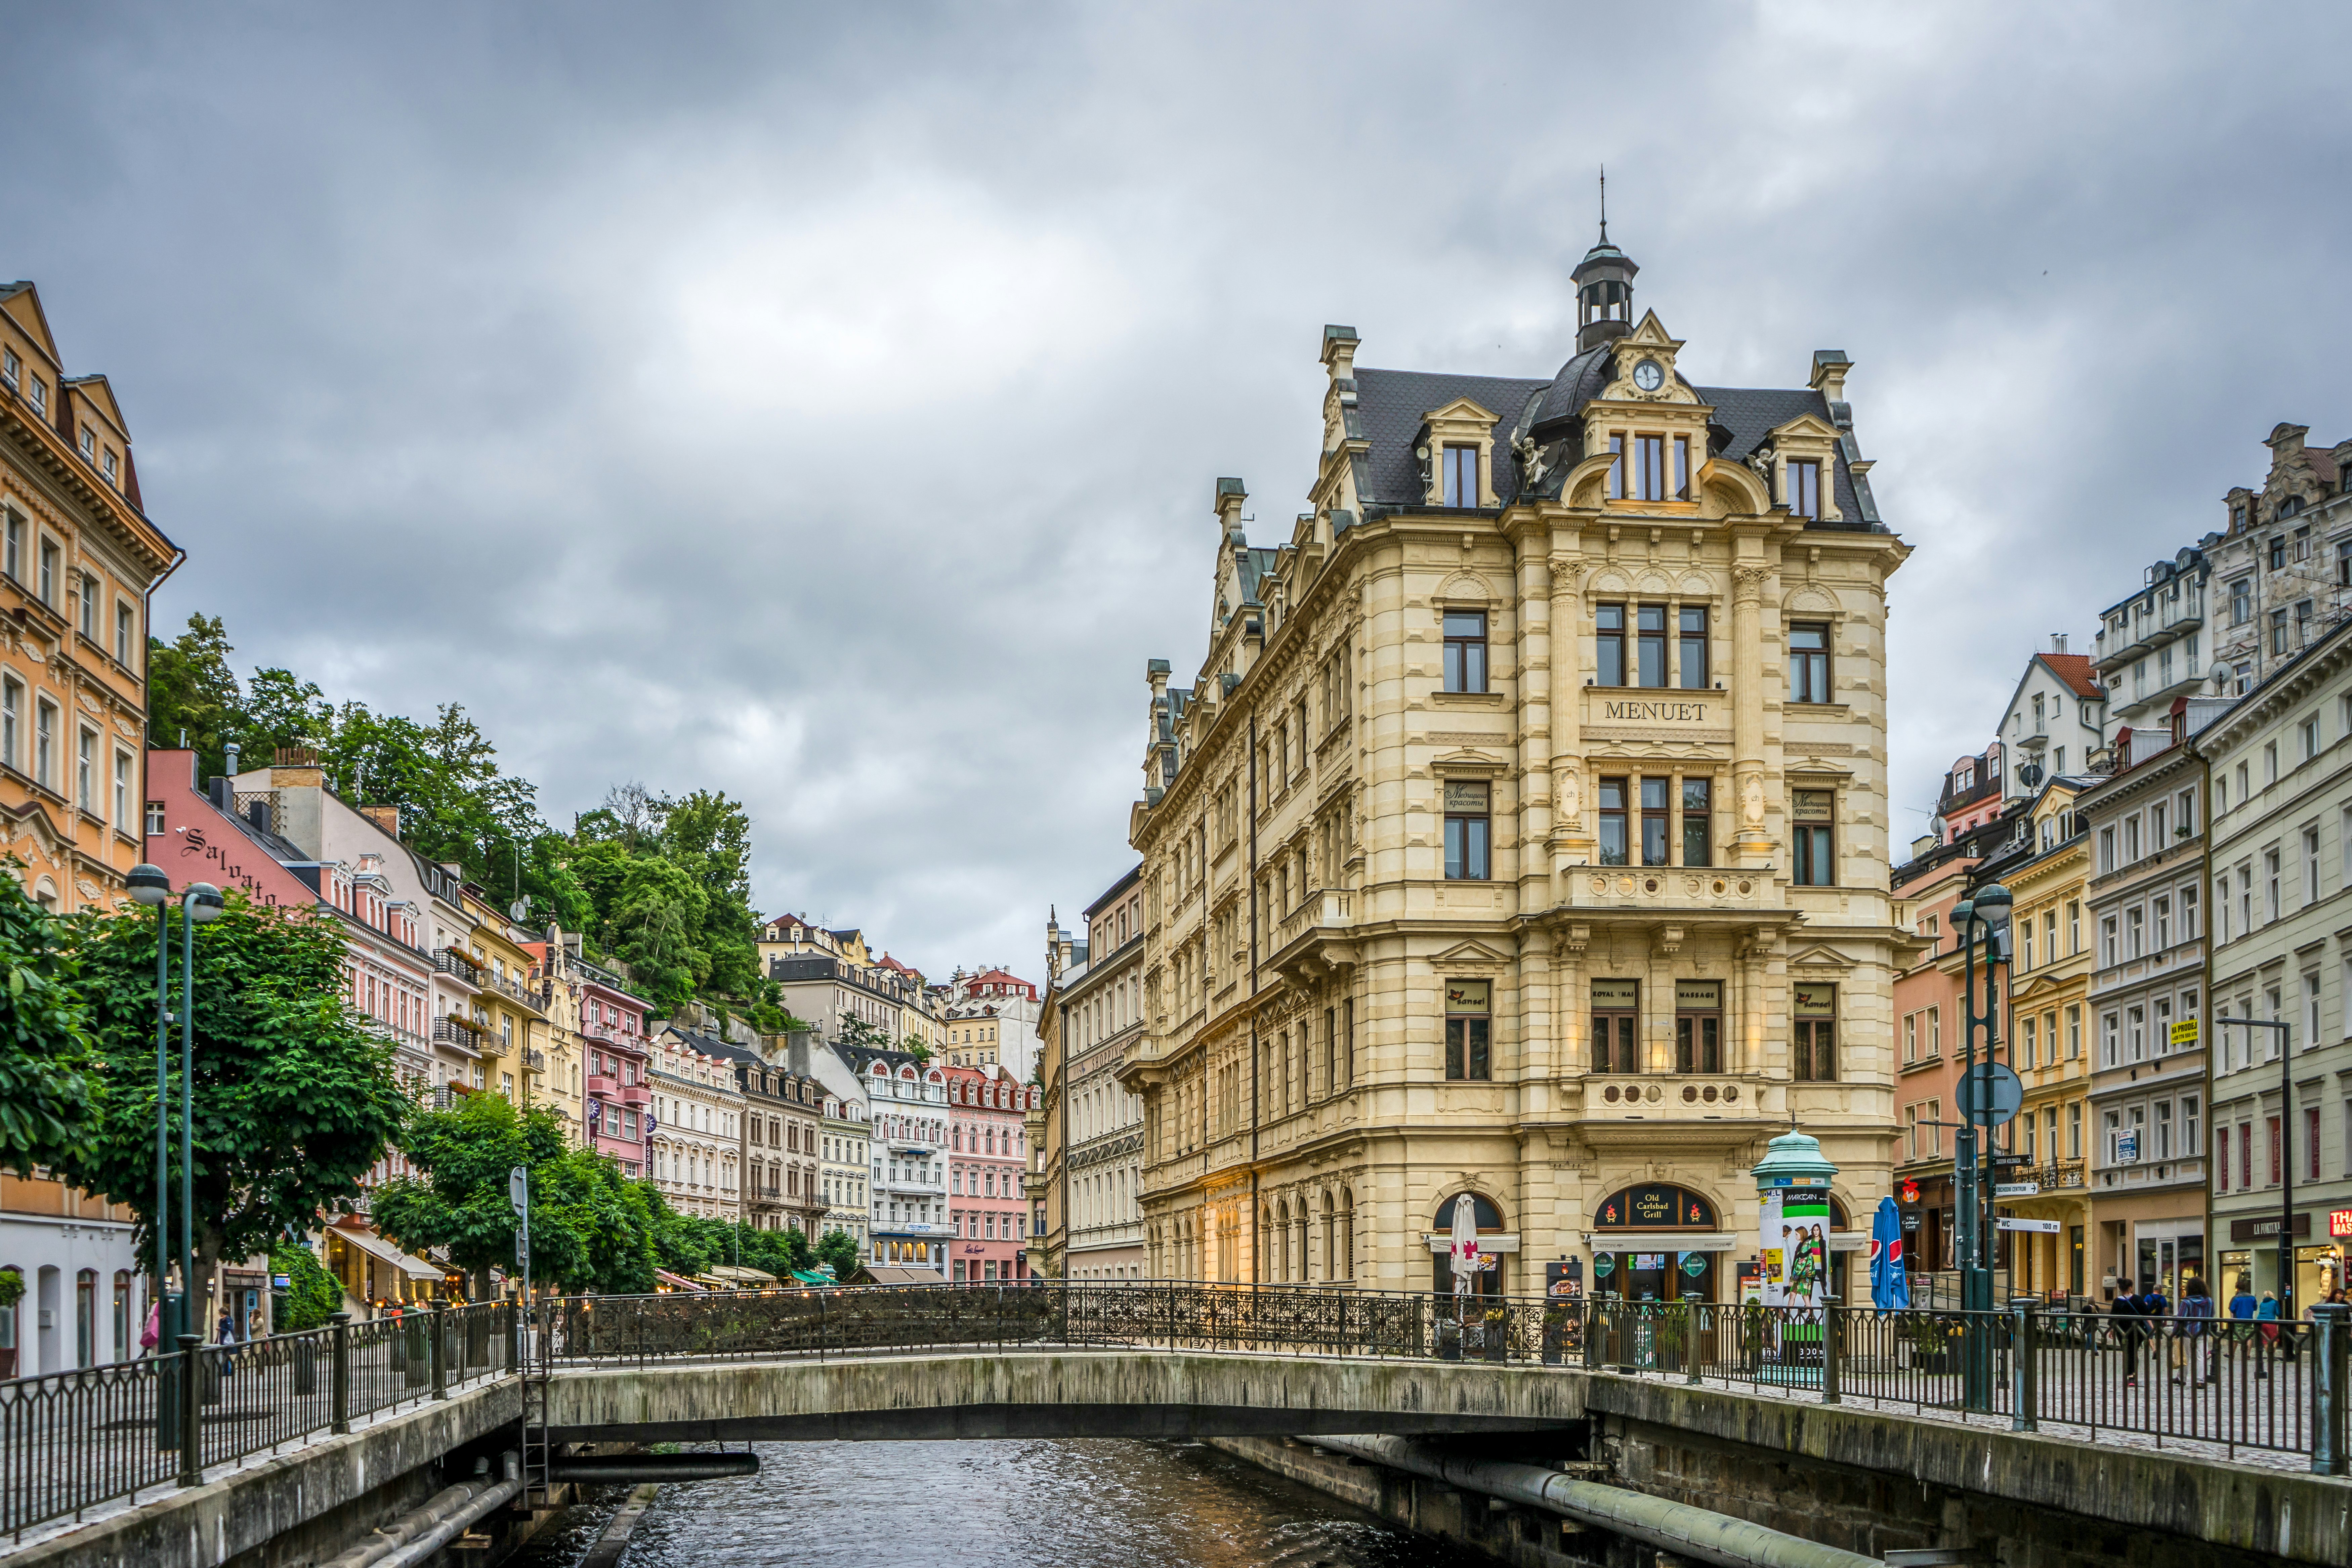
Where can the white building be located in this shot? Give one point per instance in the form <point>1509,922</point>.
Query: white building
<point>844,1141</point>
<point>2056,719</point>
<point>992,1021</point>
<point>1097,994</point>
<point>693,1137</point>
<point>907,1224</point>
<point>84,1296</point>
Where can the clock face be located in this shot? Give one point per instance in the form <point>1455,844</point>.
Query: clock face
<point>1649,375</point>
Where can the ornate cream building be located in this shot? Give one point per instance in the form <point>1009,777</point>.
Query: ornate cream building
<point>1524,831</point>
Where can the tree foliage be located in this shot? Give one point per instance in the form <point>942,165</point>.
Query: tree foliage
<point>295,1096</point>
<point>47,1093</point>
<point>660,884</point>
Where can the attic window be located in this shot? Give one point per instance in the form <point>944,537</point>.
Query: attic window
<point>11,367</point>
<point>1461,476</point>
<point>36,393</point>
<point>1804,488</point>
<point>88,445</point>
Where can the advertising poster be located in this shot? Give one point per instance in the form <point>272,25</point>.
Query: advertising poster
<point>1794,1246</point>
<point>1771,1273</point>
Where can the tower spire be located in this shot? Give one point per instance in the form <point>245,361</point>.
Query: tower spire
<point>1604,204</point>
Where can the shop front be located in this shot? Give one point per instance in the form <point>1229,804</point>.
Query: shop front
<point>2252,1257</point>
<point>1658,1242</point>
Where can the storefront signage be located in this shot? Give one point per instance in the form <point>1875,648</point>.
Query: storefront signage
<point>2339,1222</point>
<point>1469,995</point>
<point>2256,1230</point>
<point>1654,1206</point>
<point>1637,711</point>
<point>1704,996</point>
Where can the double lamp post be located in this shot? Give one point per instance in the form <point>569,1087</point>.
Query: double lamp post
<point>200,903</point>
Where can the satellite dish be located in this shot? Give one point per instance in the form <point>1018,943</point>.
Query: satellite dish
<point>2028,774</point>
<point>518,911</point>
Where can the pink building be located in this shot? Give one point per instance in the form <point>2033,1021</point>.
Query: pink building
<point>986,1154</point>
<point>618,1086</point>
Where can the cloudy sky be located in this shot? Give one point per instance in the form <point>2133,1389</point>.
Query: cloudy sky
<point>822,404</point>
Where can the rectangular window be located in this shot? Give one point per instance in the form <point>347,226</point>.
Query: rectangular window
<point>1814,865</point>
<point>86,606</point>
<point>48,588</point>
<point>2278,631</point>
<point>12,702</point>
<point>85,769</point>
<point>1616,1025</point>
<point>2271,885</point>
<point>1690,655</point>
<point>2242,601</point>
<point>1469,1018</point>
<point>1805,487</point>
<point>1813,1050</point>
<point>124,634</point>
<point>1698,819</point>
<point>1655,798</point>
<point>1609,645</point>
<point>1911,1043</point>
<point>2310,1011</point>
<point>2308,734</point>
<point>1934,1031</point>
<point>2135,931</point>
<point>2273,1129</point>
<point>1809,662</point>
<point>36,393</point>
<point>154,817</point>
<point>1649,467</point>
<point>1616,467</point>
<point>1614,843</point>
<point>1466,830</point>
<point>2028,1042</point>
<point>2161,913</point>
<point>2111,1040</point>
<point>2025,942</point>
<point>2074,1130</point>
<point>10,368</point>
<point>2311,1143</point>
<point>1465,651</point>
<point>1683,471</point>
<point>12,547</point>
<point>1651,624</point>
<point>1461,476</point>
<point>44,741</point>
<point>1698,1026</point>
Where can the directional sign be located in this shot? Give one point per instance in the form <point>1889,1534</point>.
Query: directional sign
<point>519,1189</point>
<point>1990,1094</point>
<point>2041,1227</point>
<point>2016,1189</point>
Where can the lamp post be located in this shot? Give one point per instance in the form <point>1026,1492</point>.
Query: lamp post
<point>1984,917</point>
<point>2285,1033</point>
<point>200,903</point>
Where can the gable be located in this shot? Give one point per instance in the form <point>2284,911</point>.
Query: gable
<point>23,303</point>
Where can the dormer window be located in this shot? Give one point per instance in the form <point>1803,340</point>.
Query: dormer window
<point>1804,486</point>
<point>1461,476</point>
<point>1682,468</point>
<point>88,445</point>
<point>110,467</point>
<point>11,368</point>
<point>1649,467</point>
<point>36,393</point>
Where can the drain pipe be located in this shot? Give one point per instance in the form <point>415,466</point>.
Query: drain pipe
<point>1693,1532</point>
<point>415,1537</point>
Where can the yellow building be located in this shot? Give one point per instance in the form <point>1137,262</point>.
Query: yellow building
<point>511,1009</point>
<point>78,559</point>
<point>2047,873</point>
<point>1523,833</point>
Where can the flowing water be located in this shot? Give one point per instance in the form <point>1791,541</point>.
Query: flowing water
<point>998,1504</point>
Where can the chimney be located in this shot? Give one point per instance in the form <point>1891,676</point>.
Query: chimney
<point>384,816</point>
<point>229,766</point>
<point>1340,344</point>
<point>2057,642</point>
<point>1230,494</point>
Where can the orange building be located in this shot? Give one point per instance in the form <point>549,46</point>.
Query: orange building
<point>78,562</point>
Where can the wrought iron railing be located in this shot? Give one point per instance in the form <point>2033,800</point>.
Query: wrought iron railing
<point>70,1441</point>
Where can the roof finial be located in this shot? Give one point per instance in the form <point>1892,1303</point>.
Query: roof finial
<point>1604,204</point>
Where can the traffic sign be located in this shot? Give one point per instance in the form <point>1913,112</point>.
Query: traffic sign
<point>1990,1094</point>
<point>2039,1226</point>
<point>519,1189</point>
<point>2016,1189</point>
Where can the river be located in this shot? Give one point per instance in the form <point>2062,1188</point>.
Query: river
<point>1003,1504</point>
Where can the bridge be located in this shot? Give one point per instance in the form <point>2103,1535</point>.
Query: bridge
<point>2025,1429</point>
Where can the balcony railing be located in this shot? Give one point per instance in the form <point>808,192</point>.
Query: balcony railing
<point>2054,1178</point>
<point>1677,1096</point>
<point>1325,909</point>
<point>518,989</point>
<point>463,1032</point>
<point>1670,887</point>
<point>605,1084</point>
<point>457,967</point>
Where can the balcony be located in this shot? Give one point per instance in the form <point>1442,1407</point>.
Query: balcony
<point>637,1094</point>
<point>457,967</point>
<point>463,1034</point>
<point>535,1061</point>
<point>1698,891</point>
<point>604,1084</point>
<point>2060,1177</point>
<point>1647,1106</point>
<point>908,1182</point>
<point>515,990</point>
<point>1314,935</point>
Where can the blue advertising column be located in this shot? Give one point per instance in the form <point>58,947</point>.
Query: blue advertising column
<point>1793,1258</point>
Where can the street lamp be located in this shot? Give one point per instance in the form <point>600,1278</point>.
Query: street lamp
<point>2285,1033</point>
<point>200,903</point>
<point>1984,917</point>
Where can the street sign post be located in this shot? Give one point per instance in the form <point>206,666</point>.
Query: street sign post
<point>2039,1227</point>
<point>518,1196</point>
<point>1990,1094</point>
<point>2016,1189</point>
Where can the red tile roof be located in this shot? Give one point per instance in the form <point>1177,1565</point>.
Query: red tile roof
<point>2074,669</point>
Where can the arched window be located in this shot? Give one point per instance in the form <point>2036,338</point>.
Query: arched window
<point>1490,1222</point>
<point>1490,1218</point>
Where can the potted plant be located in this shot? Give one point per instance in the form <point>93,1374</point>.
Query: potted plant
<point>1931,1343</point>
<point>1497,1337</point>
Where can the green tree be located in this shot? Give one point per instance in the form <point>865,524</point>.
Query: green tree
<point>295,1094</point>
<point>313,1295</point>
<point>839,1249</point>
<point>47,1097</point>
<point>856,1031</point>
<point>917,1047</point>
<point>192,697</point>
<point>653,927</point>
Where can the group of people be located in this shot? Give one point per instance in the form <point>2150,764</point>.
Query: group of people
<point>2192,1355</point>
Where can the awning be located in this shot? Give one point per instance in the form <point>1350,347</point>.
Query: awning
<point>811,1277</point>
<point>734,1274</point>
<point>896,1274</point>
<point>676,1282</point>
<point>368,1242</point>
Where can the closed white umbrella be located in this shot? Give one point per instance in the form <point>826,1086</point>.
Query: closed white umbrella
<point>1465,1243</point>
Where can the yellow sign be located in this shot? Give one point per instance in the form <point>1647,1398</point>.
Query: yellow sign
<point>2184,1033</point>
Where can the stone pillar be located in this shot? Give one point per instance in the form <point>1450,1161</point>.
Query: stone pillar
<point>1752,844</point>
<point>1538,1055</point>
<point>1536,890</point>
<point>1570,842</point>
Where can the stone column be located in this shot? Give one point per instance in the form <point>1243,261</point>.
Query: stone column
<point>1752,844</point>
<point>1570,842</point>
<point>1538,1054</point>
<point>1534,688</point>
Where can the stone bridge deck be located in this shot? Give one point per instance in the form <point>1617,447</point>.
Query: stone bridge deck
<point>1053,1394</point>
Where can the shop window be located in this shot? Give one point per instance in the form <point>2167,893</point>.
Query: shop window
<point>1813,1043</point>
<point>1489,1281</point>
<point>1698,1026</point>
<point>1616,1025</point>
<point>1469,1029</point>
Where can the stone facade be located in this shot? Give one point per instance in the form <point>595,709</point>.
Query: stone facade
<point>1563,709</point>
<point>1094,1013</point>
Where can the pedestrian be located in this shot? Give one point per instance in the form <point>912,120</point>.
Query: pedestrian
<point>154,1332</point>
<point>2194,1346</point>
<point>2266,1331</point>
<point>2125,1315</point>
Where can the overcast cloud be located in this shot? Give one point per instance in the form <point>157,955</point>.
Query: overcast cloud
<point>822,404</point>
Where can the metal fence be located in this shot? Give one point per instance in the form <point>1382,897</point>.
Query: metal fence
<point>72,1440</point>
